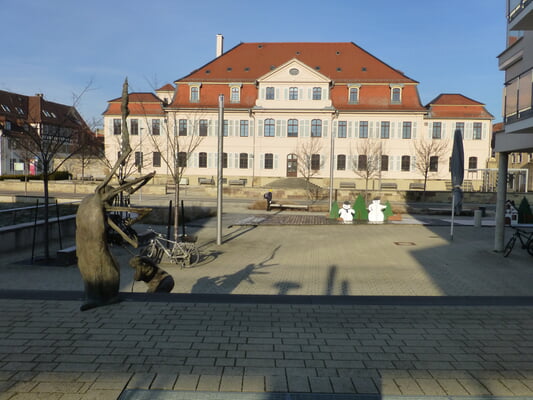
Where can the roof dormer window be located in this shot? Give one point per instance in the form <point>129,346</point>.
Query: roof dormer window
<point>235,92</point>
<point>396,94</point>
<point>194,92</point>
<point>353,93</point>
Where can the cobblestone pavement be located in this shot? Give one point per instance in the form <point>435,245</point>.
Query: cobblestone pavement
<point>415,314</point>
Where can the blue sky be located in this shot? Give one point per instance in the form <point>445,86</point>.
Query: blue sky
<point>58,47</point>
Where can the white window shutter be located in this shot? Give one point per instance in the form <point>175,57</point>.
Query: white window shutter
<point>325,128</point>
<point>250,160</point>
<point>210,160</point>
<point>285,94</point>
<point>484,131</point>
<point>277,97</point>
<point>284,128</point>
<point>356,129</point>
<point>443,132</point>
<point>300,94</point>
<point>414,130</point>
<point>278,128</point>
<point>262,161</point>
<point>260,127</point>
<point>334,129</point>
<point>398,163</point>
<point>430,130</point>
<point>309,93</point>
<point>371,129</point>
<point>210,128</point>
<point>251,131</point>
<point>276,160</point>
<point>324,94</point>
<point>350,127</point>
<point>230,160</point>
<point>237,160</point>
<point>262,96</point>
<point>392,133</point>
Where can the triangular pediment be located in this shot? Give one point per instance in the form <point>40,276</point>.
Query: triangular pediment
<point>294,71</point>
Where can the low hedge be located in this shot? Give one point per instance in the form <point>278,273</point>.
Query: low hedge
<point>56,176</point>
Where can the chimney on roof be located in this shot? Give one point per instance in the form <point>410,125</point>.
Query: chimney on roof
<point>220,45</point>
<point>39,95</point>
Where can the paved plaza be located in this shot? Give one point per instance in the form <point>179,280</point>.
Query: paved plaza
<point>320,311</point>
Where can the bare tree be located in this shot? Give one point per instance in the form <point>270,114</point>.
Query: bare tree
<point>367,164</point>
<point>51,142</point>
<point>429,154</point>
<point>310,162</point>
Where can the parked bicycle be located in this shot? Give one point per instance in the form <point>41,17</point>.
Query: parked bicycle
<point>183,252</point>
<point>526,239</point>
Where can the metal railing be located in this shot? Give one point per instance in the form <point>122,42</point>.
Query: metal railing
<point>514,7</point>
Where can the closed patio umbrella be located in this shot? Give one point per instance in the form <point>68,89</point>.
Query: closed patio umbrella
<point>457,169</point>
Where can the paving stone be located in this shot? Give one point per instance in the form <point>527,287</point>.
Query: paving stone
<point>252,383</point>
<point>186,382</point>
<point>208,383</point>
<point>231,383</point>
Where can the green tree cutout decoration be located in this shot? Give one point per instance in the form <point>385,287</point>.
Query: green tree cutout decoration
<point>334,213</point>
<point>525,215</point>
<point>387,212</point>
<point>361,213</point>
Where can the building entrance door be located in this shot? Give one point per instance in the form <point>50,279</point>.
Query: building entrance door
<point>292,165</point>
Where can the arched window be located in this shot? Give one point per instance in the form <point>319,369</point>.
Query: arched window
<point>406,163</point>
<point>269,127</point>
<point>269,161</point>
<point>353,96</point>
<point>472,163</point>
<point>317,93</point>
<point>341,162</point>
<point>316,128</point>
<point>292,128</point>
<point>293,93</point>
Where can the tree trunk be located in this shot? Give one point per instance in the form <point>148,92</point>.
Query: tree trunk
<point>176,207</point>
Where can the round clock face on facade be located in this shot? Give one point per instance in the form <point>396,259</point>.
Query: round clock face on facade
<point>294,71</point>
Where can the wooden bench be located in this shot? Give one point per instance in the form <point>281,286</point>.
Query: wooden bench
<point>290,206</point>
<point>237,182</point>
<point>206,181</point>
<point>67,256</point>
<point>389,186</point>
<point>416,186</point>
<point>347,185</point>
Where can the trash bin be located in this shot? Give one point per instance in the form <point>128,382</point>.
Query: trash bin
<point>477,218</point>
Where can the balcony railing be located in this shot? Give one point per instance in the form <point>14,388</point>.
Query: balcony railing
<point>514,7</point>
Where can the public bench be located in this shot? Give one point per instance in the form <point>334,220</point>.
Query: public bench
<point>389,186</point>
<point>416,186</point>
<point>67,256</point>
<point>290,206</point>
<point>237,182</point>
<point>206,181</point>
<point>347,185</point>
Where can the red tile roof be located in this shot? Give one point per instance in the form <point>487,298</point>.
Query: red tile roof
<point>341,62</point>
<point>453,105</point>
<point>166,88</point>
<point>141,104</point>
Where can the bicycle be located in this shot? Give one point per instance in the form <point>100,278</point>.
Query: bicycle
<point>526,239</point>
<point>183,252</point>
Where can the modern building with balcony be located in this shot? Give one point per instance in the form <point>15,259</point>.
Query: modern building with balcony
<point>517,134</point>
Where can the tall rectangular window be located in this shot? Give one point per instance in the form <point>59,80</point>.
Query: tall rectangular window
<point>243,160</point>
<point>182,127</point>
<point>269,161</point>
<point>315,162</point>
<point>134,127</point>
<point>293,93</point>
<point>182,159</point>
<point>244,128</point>
<point>195,94</point>
<point>406,130</point>
<point>396,95</point>
<point>363,129</point>
<point>317,93</point>
<point>117,126</point>
<point>384,162</point>
<point>203,127</point>
<point>342,129</point>
<point>138,159</point>
<point>156,159</point>
<point>385,129</point>
<point>437,130</point>
<point>472,162</point>
<point>361,162</point>
<point>477,131</point>
<point>269,95</point>
<point>202,160</point>
<point>156,127</point>
<point>316,128</point>
<point>460,126</point>
<point>406,163</point>
<point>235,94</point>
<point>353,97</point>
<point>292,128</point>
<point>433,163</point>
<point>341,162</point>
<point>224,160</point>
<point>269,128</point>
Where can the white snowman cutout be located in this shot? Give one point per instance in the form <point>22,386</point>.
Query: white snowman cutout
<point>346,213</point>
<point>376,212</point>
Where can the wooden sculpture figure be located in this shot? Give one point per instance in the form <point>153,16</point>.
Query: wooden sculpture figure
<point>99,269</point>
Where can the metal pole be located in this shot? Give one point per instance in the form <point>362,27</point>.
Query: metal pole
<point>331,166</point>
<point>219,166</point>
<point>499,232</point>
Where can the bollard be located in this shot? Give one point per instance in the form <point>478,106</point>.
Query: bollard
<point>477,218</point>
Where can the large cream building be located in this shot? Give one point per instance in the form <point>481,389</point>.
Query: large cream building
<point>313,110</point>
